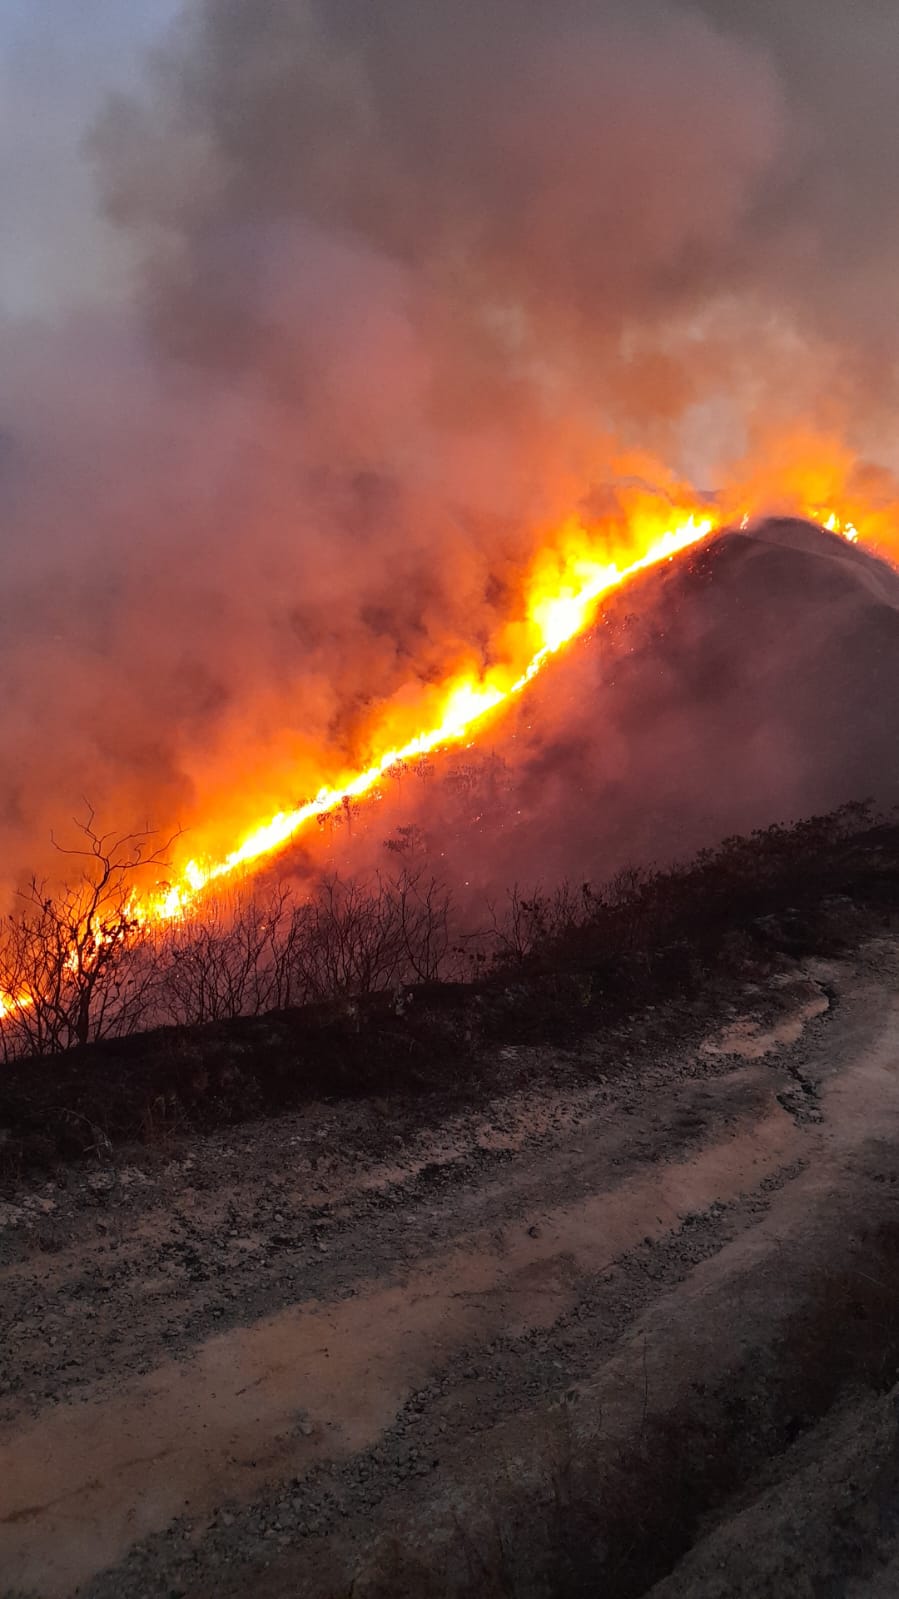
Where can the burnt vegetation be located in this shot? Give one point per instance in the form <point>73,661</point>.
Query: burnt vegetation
<point>371,987</point>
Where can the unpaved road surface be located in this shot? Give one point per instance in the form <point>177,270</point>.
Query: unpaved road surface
<point>646,1314</point>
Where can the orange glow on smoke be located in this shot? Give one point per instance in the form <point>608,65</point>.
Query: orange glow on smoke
<point>566,585</point>
<point>578,565</point>
<point>567,581</point>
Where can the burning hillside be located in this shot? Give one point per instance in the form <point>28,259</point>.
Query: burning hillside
<point>725,682</point>
<point>449,637</point>
<point>738,684</point>
<point>427,325</point>
<point>569,581</point>
<point>425,319</point>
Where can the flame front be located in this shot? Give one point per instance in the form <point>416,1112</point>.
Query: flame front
<point>566,588</point>
<point>575,570</point>
<point>564,593</point>
<point>567,582</point>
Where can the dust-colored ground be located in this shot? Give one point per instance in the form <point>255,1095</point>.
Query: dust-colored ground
<point>344,1351</point>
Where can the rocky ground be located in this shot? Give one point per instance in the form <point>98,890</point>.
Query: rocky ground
<point>628,1326</point>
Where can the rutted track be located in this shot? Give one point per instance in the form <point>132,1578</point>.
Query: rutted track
<point>240,1369</point>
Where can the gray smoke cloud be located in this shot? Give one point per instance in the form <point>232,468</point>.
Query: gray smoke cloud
<point>581,180</point>
<point>411,280</point>
<point>529,193</point>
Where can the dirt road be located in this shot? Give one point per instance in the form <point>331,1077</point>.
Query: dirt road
<point>616,1318</point>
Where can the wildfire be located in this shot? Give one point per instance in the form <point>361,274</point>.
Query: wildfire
<point>564,595</point>
<point>568,580</point>
<point>834,524</point>
<point>566,585</point>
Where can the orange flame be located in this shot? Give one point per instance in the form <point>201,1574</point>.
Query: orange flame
<point>568,580</point>
<point>565,590</point>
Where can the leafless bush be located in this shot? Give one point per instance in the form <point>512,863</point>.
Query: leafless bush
<point>243,955</point>
<point>233,957</point>
<point>621,910</point>
<point>74,966</point>
<point>82,965</point>
<point>424,907</point>
<point>356,937</point>
<point>348,941</point>
<point>527,921</point>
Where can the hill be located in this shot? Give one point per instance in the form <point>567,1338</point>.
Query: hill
<point>746,683</point>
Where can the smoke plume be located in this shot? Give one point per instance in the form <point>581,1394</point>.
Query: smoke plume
<point>411,284</point>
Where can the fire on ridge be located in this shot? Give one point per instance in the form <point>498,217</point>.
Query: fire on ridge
<point>564,590</point>
<point>567,582</point>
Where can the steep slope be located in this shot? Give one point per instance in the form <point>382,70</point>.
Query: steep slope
<point>748,682</point>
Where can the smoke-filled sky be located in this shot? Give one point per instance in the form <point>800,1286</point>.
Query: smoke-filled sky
<point>318,316</point>
<point>57,64</point>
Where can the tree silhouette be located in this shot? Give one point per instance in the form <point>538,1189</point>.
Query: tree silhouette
<point>74,966</point>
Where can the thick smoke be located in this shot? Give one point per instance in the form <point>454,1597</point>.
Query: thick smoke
<point>412,282</point>
<point>744,684</point>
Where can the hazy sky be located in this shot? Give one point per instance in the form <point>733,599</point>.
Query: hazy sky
<point>58,61</point>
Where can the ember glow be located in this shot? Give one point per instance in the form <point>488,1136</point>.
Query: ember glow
<point>566,589</point>
<point>405,333</point>
<point>567,583</point>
